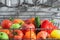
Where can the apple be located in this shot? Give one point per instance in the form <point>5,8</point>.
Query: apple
<point>3,36</point>
<point>15,26</point>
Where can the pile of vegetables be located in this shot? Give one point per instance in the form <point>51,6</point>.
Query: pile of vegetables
<point>30,29</point>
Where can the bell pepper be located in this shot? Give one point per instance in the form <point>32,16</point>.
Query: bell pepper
<point>48,26</point>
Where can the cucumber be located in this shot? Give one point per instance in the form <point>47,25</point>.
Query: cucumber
<point>37,22</point>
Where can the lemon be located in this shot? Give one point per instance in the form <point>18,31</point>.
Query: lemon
<point>55,34</point>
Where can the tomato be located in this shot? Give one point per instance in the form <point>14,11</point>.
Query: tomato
<point>6,23</point>
<point>16,34</point>
<point>42,35</point>
<point>30,35</point>
<point>27,27</point>
<point>19,21</point>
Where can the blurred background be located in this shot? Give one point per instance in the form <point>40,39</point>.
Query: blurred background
<point>30,5</point>
<point>24,9</point>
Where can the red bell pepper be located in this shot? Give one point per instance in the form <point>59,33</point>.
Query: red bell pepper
<point>48,26</point>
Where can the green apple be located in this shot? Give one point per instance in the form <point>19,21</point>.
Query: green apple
<point>15,26</point>
<point>3,36</point>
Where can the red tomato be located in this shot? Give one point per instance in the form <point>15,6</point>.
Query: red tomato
<point>16,34</point>
<point>6,23</point>
<point>27,27</point>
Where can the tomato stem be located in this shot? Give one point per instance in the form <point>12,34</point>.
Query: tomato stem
<point>15,33</point>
